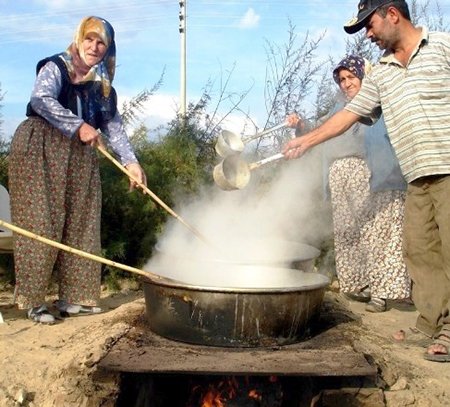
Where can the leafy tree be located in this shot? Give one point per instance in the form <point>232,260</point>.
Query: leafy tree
<point>125,214</point>
<point>290,74</point>
<point>126,218</point>
<point>428,14</point>
<point>176,164</point>
<point>203,122</point>
<point>4,149</point>
<point>132,221</point>
<point>131,109</point>
<point>6,260</point>
<point>326,93</point>
<point>1,106</point>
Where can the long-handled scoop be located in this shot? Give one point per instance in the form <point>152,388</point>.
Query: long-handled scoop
<point>234,173</point>
<point>229,143</point>
<point>81,253</point>
<point>102,149</point>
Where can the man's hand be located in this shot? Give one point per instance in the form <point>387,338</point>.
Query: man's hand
<point>295,148</point>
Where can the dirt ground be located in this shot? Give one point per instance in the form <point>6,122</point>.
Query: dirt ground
<point>54,366</point>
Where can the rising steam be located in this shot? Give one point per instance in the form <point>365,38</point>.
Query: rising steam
<point>267,224</point>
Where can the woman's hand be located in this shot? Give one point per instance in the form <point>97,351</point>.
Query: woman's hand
<point>137,172</point>
<point>88,135</point>
<point>297,146</point>
<point>293,121</point>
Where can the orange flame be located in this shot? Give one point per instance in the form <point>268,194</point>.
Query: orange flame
<point>212,399</point>
<point>253,394</point>
<point>218,394</point>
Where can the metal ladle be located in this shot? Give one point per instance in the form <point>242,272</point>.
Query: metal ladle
<point>229,143</point>
<point>234,173</point>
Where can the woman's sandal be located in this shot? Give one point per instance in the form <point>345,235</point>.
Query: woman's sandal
<point>90,310</point>
<point>442,339</point>
<point>41,315</point>
<point>376,305</point>
<point>67,309</point>
<point>360,296</point>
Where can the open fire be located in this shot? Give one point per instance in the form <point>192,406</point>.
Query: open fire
<point>230,391</point>
<point>159,372</point>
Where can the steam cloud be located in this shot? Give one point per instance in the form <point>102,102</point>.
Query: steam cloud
<point>265,224</point>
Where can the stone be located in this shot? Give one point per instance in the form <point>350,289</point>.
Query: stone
<point>365,397</point>
<point>400,384</point>
<point>400,398</point>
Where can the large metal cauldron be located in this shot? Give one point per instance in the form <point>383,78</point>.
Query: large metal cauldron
<point>276,311</point>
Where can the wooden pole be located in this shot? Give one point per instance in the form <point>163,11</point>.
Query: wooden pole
<point>81,253</point>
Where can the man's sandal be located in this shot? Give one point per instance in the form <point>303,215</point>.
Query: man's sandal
<point>413,337</point>
<point>442,339</point>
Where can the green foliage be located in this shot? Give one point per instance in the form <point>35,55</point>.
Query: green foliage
<point>126,217</point>
<point>6,268</point>
<point>111,279</point>
<point>4,154</point>
<point>4,150</point>
<point>196,144</point>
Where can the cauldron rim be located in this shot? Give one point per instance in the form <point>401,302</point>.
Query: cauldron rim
<point>177,284</point>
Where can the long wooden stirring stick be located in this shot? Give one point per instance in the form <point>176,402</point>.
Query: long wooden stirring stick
<point>102,149</point>
<point>81,253</point>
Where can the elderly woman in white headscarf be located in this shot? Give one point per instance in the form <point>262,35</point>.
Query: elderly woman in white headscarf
<point>54,177</point>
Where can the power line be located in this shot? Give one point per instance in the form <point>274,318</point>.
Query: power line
<point>140,16</point>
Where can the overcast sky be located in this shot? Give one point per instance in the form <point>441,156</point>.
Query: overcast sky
<point>221,34</point>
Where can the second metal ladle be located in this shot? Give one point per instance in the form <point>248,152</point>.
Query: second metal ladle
<point>234,173</point>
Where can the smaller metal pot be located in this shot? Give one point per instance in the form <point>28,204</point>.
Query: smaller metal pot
<point>229,143</point>
<point>234,173</point>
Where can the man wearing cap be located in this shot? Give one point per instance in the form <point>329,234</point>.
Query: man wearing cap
<point>411,85</point>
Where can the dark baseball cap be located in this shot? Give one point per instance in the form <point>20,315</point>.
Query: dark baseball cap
<point>365,9</point>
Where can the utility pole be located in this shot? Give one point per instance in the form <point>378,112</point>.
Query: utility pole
<point>182,29</point>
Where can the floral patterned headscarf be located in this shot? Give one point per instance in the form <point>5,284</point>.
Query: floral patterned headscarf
<point>74,57</point>
<point>357,65</point>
